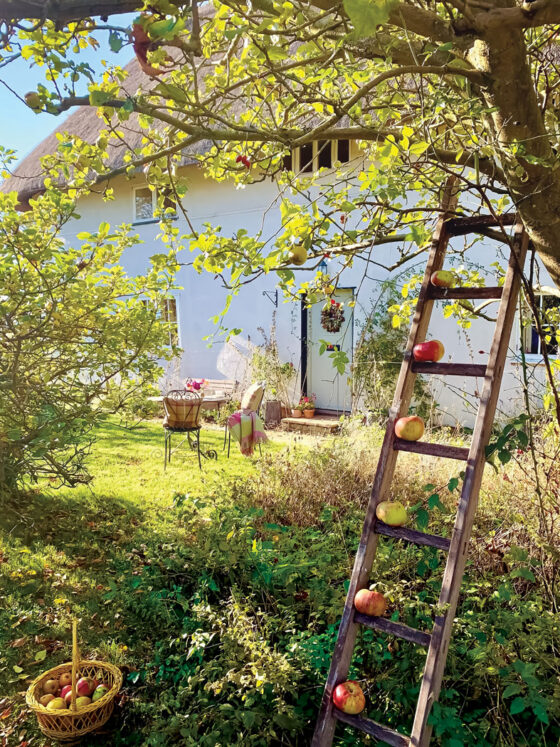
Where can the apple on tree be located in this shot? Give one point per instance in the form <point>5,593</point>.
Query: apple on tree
<point>392,513</point>
<point>298,255</point>
<point>410,428</point>
<point>443,279</point>
<point>370,602</point>
<point>429,351</point>
<point>349,697</point>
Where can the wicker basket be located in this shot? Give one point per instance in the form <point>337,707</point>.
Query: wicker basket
<point>68,725</point>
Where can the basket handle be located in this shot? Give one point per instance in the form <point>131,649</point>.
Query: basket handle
<point>75,662</point>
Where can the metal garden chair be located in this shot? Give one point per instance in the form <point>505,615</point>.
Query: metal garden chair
<point>182,415</point>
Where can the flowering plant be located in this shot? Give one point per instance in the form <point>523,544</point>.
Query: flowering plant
<point>196,385</point>
<point>306,403</point>
<point>332,316</point>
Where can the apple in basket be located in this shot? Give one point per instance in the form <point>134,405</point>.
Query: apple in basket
<point>51,686</point>
<point>65,679</point>
<point>82,701</point>
<point>56,704</point>
<point>100,691</point>
<point>44,700</point>
<point>65,690</point>
<point>85,686</point>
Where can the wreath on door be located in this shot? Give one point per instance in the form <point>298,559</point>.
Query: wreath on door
<point>332,316</point>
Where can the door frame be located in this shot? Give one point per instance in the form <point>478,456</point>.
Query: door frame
<point>304,316</point>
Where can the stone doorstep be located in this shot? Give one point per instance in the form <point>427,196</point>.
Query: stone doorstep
<point>317,425</point>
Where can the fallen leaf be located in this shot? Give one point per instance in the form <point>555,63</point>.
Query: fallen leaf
<point>6,712</point>
<point>18,642</point>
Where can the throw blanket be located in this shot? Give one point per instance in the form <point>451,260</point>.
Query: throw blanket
<point>247,428</point>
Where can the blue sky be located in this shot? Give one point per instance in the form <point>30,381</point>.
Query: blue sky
<point>22,129</point>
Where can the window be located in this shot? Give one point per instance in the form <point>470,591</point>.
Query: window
<point>549,307</point>
<point>145,204</point>
<point>321,154</point>
<point>169,314</point>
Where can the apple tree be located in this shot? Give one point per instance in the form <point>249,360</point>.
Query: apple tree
<point>78,337</point>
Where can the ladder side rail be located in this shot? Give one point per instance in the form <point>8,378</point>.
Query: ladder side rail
<point>455,566</point>
<point>348,629</point>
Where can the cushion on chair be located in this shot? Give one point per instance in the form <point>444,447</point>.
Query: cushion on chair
<point>252,397</point>
<point>181,413</point>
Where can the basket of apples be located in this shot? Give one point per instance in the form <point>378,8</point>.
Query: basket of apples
<point>75,698</point>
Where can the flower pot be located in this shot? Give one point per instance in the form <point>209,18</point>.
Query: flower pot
<point>296,413</point>
<point>309,413</point>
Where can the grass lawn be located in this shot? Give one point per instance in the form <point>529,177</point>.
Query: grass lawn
<point>218,592</point>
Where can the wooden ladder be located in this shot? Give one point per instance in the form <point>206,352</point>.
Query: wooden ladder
<point>437,642</point>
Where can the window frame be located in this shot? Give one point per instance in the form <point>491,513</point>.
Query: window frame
<point>535,358</point>
<point>141,221</point>
<point>296,156</point>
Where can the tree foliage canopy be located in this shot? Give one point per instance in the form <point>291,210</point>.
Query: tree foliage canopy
<point>74,329</point>
<point>469,87</point>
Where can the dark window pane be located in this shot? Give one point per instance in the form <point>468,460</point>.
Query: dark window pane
<point>343,151</point>
<point>287,162</point>
<point>306,158</point>
<point>324,148</point>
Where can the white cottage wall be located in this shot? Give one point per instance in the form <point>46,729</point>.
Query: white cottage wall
<point>202,296</point>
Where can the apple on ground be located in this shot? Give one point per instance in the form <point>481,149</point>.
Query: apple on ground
<point>410,428</point>
<point>298,255</point>
<point>65,679</point>
<point>51,686</point>
<point>46,699</point>
<point>431,350</point>
<point>56,704</point>
<point>392,513</point>
<point>100,691</point>
<point>349,697</point>
<point>370,603</point>
<point>84,686</point>
<point>82,701</point>
<point>443,279</point>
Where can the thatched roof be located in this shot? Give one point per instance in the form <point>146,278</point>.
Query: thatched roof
<point>84,122</point>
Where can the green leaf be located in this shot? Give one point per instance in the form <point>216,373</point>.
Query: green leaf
<point>517,706</point>
<point>367,15</point>
<point>422,518</point>
<point>41,655</point>
<point>540,712</point>
<point>452,484</point>
<point>523,572</point>
<point>512,689</point>
<point>115,42</point>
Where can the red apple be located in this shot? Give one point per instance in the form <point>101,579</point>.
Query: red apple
<point>65,689</point>
<point>410,428</point>
<point>431,350</point>
<point>84,686</point>
<point>443,279</point>
<point>370,603</point>
<point>349,697</point>
<point>67,697</point>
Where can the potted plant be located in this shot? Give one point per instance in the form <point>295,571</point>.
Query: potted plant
<point>297,411</point>
<point>308,404</point>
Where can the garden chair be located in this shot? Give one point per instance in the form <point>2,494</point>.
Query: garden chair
<point>251,401</point>
<point>182,415</point>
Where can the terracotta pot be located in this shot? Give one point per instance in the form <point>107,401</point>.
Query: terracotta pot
<point>309,413</point>
<point>296,413</point>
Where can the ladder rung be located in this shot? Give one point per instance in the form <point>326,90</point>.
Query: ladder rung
<point>449,369</point>
<point>442,294</point>
<point>373,728</point>
<point>412,535</point>
<point>394,628</point>
<point>461,226</point>
<point>438,450</point>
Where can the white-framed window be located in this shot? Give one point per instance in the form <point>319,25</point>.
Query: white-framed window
<point>167,311</point>
<point>549,307</point>
<point>144,204</point>
<point>320,154</point>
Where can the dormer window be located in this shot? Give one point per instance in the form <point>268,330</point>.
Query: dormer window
<point>145,205</point>
<point>321,154</point>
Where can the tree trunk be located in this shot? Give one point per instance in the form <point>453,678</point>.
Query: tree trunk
<point>517,125</point>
